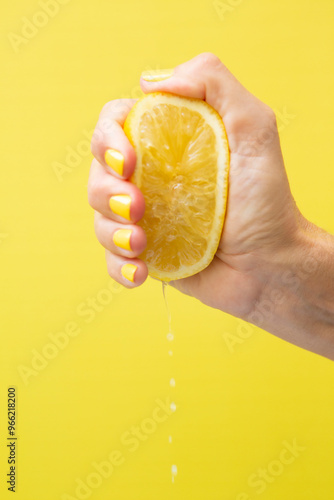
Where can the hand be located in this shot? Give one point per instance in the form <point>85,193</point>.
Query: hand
<point>261,214</point>
<point>263,229</point>
<point>104,188</point>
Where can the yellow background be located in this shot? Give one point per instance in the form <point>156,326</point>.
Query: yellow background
<point>234,408</point>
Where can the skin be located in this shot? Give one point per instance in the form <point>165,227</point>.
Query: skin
<point>273,268</point>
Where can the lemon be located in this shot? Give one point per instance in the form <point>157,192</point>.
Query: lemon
<point>182,171</point>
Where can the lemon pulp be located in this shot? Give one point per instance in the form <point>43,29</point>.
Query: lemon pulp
<point>182,165</point>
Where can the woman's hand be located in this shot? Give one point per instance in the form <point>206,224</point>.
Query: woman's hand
<point>264,235</point>
<point>118,203</point>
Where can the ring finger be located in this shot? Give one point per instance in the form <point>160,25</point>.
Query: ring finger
<point>128,240</point>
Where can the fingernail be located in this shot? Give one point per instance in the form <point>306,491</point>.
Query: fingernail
<point>122,237</point>
<point>157,75</point>
<point>115,160</point>
<point>128,272</point>
<point>120,205</point>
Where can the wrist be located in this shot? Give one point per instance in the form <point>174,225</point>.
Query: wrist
<point>297,298</point>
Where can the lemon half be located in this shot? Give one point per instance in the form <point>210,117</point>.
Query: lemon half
<point>182,170</point>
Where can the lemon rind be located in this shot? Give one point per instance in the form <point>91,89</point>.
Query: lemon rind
<point>131,128</point>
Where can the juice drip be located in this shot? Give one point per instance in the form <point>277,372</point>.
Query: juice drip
<point>172,383</point>
<point>174,472</point>
<point>170,335</point>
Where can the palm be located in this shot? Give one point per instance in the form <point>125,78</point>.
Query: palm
<point>257,215</point>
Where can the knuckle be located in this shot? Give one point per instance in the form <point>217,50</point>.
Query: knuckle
<point>103,130</point>
<point>105,126</point>
<point>116,106</point>
<point>94,192</point>
<point>97,140</point>
<point>97,226</point>
<point>210,60</point>
<point>102,235</point>
<point>107,107</point>
<point>265,114</point>
<point>111,268</point>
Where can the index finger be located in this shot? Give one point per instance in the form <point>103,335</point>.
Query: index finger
<point>109,145</point>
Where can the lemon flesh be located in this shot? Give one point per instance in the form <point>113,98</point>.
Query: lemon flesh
<point>182,171</point>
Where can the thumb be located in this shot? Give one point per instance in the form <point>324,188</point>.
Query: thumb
<point>206,77</point>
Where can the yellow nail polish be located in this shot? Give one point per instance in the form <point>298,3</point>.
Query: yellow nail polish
<point>115,160</point>
<point>122,237</point>
<point>157,75</point>
<point>120,205</point>
<point>128,271</point>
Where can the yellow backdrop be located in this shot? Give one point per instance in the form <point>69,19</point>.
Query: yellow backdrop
<point>90,363</point>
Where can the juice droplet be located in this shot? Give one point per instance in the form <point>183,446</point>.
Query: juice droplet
<point>164,285</point>
<point>170,338</point>
<point>174,472</point>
